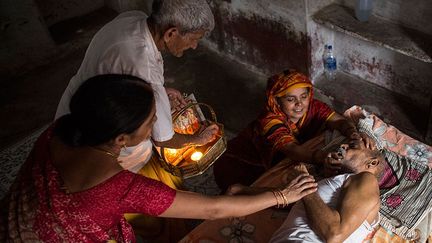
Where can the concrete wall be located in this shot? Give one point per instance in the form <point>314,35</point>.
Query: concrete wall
<point>397,72</point>
<point>319,37</point>
<point>379,65</point>
<point>416,14</point>
<point>391,70</point>
<point>126,5</point>
<point>24,37</point>
<point>269,36</point>
<point>54,11</point>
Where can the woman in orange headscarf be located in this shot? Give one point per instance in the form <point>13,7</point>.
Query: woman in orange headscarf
<point>291,117</point>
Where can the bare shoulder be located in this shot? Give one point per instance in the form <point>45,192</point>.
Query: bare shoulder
<point>364,182</point>
<point>364,177</point>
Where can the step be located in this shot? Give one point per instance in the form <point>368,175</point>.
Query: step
<point>395,37</point>
<point>393,108</point>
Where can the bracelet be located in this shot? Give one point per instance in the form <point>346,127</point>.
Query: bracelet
<point>281,200</point>
<point>277,200</point>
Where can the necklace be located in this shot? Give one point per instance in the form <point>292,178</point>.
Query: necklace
<point>114,155</point>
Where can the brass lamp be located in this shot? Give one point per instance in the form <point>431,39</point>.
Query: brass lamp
<point>191,161</point>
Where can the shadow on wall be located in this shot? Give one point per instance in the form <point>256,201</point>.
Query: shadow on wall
<point>127,5</point>
<point>76,27</point>
<point>267,44</point>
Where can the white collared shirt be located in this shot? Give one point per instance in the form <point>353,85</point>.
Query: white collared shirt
<point>125,46</point>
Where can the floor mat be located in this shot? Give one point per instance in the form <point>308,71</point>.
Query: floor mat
<point>13,157</point>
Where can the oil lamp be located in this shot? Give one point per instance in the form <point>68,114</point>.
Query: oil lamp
<point>196,156</point>
<point>190,161</point>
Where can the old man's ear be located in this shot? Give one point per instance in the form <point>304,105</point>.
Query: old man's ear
<point>170,32</point>
<point>372,163</point>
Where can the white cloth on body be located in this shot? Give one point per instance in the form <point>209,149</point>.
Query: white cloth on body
<point>296,226</point>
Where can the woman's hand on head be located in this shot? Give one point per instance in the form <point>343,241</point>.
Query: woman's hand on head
<point>362,139</point>
<point>301,186</point>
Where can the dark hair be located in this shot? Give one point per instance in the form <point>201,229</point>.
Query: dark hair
<point>104,107</point>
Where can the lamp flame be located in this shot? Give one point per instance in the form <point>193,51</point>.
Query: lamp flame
<point>171,152</point>
<point>196,156</point>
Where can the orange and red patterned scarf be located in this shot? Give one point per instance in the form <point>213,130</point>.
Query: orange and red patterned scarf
<point>274,128</point>
<point>278,86</point>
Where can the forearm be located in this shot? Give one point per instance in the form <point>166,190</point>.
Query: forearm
<point>238,206</point>
<point>345,127</point>
<point>191,205</point>
<point>177,141</point>
<point>326,222</point>
<point>338,122</point>
<point>298,153</point>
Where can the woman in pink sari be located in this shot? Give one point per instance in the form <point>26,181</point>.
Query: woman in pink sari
<point>72,188</point>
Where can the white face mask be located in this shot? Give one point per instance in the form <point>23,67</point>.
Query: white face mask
<point>134,158</point>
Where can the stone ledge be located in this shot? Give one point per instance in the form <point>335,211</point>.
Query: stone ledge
<point>398,110</point>
<point>395,37</point>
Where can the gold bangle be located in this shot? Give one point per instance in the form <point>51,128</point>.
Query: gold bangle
<point>277,200</point>
<point>285,199</point>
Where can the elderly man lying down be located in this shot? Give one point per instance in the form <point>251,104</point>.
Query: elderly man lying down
<point>345,208</point>
<point>405,191</point>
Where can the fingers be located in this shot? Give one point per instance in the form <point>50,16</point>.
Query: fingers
<point>308,191</point>
<point>301,179</point>
<point>301,186</point>
<point>308,185</point>
<point>211,130</point>
<point>301,168</point>
<point>213,126</point>
<point>369,142</point>
<point>177,102</point>
<point>333,161</point>
<point>180,99</point>
<point>355,135</point>
<point>361,140</point>
<point>208,134</point>
<point>176,98</point>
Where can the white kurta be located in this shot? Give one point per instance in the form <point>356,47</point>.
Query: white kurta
<point>125,46</point>
<point>296,226</point>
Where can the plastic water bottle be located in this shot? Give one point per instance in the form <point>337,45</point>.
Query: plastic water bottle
<point>329,63</point>
<point>363,10</point>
